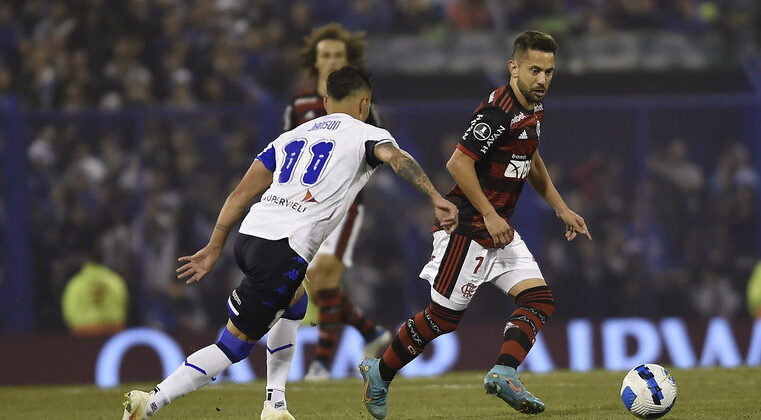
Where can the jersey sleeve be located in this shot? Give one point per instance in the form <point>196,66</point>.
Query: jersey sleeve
<point>375,137</point>
<point>370,157</point>
<point>267,157</point>
<point>486,127</point>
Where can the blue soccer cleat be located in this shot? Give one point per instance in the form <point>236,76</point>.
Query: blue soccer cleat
<point>376,389</point>
<point>502,381</point>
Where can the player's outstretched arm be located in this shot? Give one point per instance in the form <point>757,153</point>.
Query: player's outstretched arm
<point>463,170</point>
<point>256,180</point>
<point>540,180</point>
<point>409,170</point>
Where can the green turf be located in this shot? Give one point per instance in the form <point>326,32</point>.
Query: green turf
<point>703,394</point>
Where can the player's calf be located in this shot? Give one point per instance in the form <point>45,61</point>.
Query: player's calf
<point>414,335</point>
<point>535,306</point>
<point>281,342</point>
<point>199,369</point>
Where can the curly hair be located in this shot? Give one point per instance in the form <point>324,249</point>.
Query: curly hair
<point>354,41</point>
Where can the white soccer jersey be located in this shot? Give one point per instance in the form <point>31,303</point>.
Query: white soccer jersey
<point>318,169</point>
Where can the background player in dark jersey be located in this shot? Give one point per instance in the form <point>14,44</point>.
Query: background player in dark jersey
<point>496,155</point>
<point>327,49</point>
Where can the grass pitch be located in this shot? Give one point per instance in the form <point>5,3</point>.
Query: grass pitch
<point>702,394</point>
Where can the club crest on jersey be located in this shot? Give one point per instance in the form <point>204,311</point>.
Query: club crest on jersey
<point>468,290</point>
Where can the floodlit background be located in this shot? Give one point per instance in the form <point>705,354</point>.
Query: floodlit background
<point>124,124</point>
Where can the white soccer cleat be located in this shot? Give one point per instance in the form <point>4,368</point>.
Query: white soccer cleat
<point>271,413</point>
<point>135,405</point>
<point>379,343</point>
<point>317,372</point>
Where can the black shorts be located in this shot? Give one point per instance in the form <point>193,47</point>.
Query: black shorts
<point>273,274</point>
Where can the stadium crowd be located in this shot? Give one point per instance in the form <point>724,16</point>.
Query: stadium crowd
<point>680,241</point>
<point>74,54</point>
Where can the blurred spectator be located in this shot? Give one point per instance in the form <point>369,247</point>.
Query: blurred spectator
<point>754,291</point>
<point>373,17</point>
<point>469,15</point>
<point>134,53</point>
<point>413,16</point>
<point>677,187</point>
<point>95,301</point>
<point>713,295</point>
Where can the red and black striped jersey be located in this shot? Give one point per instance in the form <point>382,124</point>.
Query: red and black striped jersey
<point>308,105</point>
<point>502,138</point>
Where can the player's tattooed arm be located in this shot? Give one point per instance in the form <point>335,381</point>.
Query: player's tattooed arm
<point>409,170</point>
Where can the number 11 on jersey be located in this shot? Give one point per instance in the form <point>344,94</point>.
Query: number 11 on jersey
<point>321,152</point>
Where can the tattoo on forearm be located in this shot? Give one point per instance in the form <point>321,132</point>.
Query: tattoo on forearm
<point>409,170</point>
<point>223,228</point>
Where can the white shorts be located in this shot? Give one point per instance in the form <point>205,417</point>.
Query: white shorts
<point>341,241</point>
<point>459,265</point>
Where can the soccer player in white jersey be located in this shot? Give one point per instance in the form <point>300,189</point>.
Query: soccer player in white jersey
<point>309,177</point>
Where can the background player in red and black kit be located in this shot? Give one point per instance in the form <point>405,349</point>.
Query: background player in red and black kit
<point>496,155</point>
<point>327,49</point>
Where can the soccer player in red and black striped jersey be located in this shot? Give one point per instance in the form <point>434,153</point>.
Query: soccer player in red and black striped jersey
<point>497,154</point>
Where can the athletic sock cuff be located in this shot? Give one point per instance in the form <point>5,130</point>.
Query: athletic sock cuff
<point>233,347</point>
<point>298,310</point>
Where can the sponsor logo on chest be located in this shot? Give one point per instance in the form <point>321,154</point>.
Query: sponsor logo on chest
<point>284,202</point>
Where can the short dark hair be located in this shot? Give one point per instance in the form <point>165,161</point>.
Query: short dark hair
<point>354,41</point>
<point>534,40</point>
<point>341,83</point>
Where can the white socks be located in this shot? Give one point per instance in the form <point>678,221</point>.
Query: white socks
<point>203,365</point>
<point>197,370</point>
<point>281,342</point>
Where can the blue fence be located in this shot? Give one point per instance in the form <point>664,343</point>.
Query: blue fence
<point>668,186</point>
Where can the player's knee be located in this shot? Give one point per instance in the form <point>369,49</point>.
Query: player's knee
<point>441,319</point>
<point>324,270</point>
<point>233,347</point>
<point>297,310</point>
<point>537,298</point>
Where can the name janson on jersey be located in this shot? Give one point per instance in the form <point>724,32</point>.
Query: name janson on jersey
<point>325,125</point>
<point>280,201</point>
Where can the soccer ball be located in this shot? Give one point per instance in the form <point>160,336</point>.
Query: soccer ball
<point>648,391</point>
